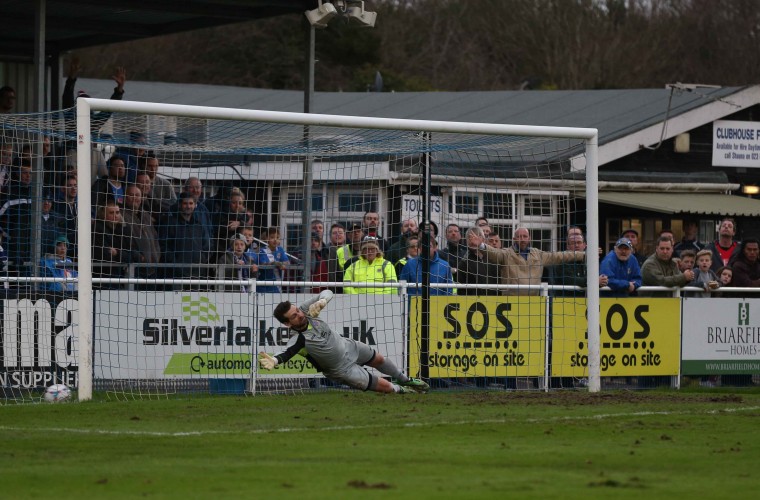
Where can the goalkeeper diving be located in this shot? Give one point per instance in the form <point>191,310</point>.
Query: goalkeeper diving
<point>339,358</point>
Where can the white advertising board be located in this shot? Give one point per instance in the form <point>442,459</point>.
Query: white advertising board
<point>156,335</point>
<point>736,144</point>
<point>720,335</point>
<point>376,320</point>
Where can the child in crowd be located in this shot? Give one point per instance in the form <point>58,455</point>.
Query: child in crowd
<point>726,276</point>
<point>688,259</point>
<point>704,277</point>
<point>251,248</point>
<point>235,265</point>
<point>58,265</point>
<point>271,260</point>
<point>723,278</point>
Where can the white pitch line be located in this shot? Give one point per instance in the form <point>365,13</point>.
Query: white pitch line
<point>102,432</point>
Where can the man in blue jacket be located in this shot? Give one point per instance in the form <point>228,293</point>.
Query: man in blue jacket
<point>185,240</point>
<point>622,272</point>
<point>440,272</point>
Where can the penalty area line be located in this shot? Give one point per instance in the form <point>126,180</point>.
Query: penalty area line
<point>601,416</point>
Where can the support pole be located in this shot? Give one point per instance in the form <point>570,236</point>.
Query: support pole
<point>592,263</point>
<point>84,249</point>
<point>308,164</point>
<point>38,171</point>
<point>425,259</point>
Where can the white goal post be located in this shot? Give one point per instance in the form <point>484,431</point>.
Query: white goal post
<point>86,106</point>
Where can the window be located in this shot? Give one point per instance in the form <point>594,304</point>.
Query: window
<point>293,238</point>
<point>541,239</point>
<point>506,209</point>
<point>466,204</point>
<point>357,202</point>
<point>497,206</point>
<point>295,202</point>
<point>329,204</point>
<point>649,229</point>
<point>707,230</point>
<point>504,232</point>
<point>537,206</point>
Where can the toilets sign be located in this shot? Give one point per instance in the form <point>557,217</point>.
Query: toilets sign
<point>412,207</point>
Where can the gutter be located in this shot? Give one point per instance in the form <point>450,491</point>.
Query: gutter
<point>400,178</point>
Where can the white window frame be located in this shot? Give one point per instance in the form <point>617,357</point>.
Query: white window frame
<point>517,198</point>
<point>331,214</point>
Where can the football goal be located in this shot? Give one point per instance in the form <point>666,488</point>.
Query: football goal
<point>193,223</point>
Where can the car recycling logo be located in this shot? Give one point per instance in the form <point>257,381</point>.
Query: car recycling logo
<point>203,309</point>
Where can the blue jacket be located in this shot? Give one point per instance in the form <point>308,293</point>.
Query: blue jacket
<point>440,272</point>
<point>52,267</point>
<point>265,259</point>
<point>619,274</point>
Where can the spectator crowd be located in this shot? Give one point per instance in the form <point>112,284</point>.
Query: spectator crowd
<point>139,218</point>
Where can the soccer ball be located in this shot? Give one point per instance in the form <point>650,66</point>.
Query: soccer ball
<point>57,393</point>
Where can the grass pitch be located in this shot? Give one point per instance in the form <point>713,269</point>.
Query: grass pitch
<point>352,444</point>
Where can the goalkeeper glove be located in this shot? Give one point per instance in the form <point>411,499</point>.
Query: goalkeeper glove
<point>267,362</point>
<point>317,307</point>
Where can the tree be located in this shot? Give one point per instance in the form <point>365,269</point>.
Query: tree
<point>467,45</point>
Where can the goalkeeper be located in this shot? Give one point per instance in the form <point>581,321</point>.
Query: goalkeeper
<point>339,358</point>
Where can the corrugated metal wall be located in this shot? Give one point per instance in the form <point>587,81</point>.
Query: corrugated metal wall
<point>20,76</point>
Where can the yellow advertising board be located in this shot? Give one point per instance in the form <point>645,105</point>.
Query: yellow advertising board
<point>495,336</point>
<point>639,336</point>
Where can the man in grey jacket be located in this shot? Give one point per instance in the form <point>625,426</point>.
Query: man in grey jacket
<point>339,358</point>
<point>660,269</point>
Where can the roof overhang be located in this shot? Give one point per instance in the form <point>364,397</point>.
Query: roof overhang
<point>713,109</point>
<point>74,24</point>
<point>685,203</point>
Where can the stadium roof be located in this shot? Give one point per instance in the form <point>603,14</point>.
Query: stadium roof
<point>626,119</point>
<point>73,24</point>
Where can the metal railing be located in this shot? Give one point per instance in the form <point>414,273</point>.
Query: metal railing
<point>131,279</point>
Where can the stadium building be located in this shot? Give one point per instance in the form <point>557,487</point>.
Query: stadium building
<point>659,159</point>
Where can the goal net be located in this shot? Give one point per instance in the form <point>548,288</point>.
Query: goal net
<point>177,230</point>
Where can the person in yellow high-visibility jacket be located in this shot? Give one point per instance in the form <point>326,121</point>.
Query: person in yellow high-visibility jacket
<point>343,254</point>
<point>369,267</point>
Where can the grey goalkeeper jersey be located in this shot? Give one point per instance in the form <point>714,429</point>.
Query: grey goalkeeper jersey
<point>324,348</point>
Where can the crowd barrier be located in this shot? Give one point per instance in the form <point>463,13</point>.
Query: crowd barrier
<point>467,337</point>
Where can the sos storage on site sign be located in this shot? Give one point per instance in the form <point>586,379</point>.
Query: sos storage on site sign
<point>481,336</point>
<point>639,336</point>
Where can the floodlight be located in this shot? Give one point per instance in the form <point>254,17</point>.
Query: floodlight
<point>320,16</point>
<point>365,17</point>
